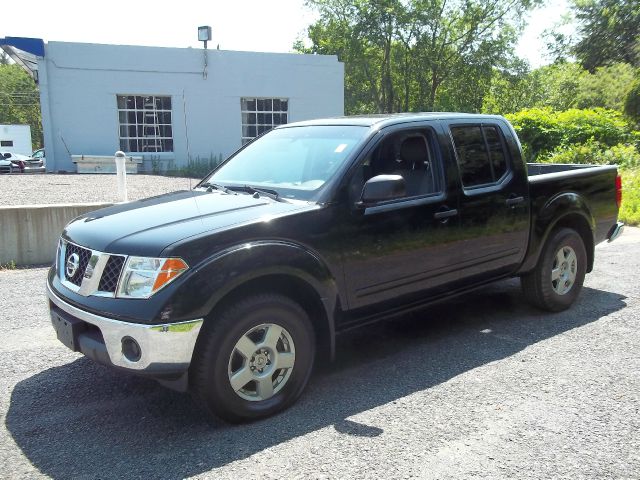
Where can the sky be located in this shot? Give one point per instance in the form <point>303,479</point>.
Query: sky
<point>254,25</point>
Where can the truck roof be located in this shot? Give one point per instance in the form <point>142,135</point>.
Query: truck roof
<point>383,120</point>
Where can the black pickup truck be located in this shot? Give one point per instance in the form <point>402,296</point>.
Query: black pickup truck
<point>230,289</point>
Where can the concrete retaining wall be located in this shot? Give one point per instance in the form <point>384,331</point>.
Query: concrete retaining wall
<point>29,233</point>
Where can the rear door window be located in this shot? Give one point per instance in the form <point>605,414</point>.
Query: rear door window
<point>496,152</point>
<point>480,154</point>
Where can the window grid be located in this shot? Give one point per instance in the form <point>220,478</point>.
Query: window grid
<point>260,115</point>
<point>145,123</point>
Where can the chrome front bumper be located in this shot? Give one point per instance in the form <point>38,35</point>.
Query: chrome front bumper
<point>165,348</point>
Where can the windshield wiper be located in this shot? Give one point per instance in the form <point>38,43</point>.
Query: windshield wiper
<point>214,186</point>
<point>256,191</point>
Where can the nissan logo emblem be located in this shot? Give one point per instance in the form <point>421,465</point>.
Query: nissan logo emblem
<point>73,262</point>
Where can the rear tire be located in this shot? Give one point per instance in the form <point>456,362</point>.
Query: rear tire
<point>253,359</point>
<point>556,281</point>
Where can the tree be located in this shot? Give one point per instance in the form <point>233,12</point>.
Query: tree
<point>606,87</point>
<point>416,54</point>
<point>553,86</point>
<point>609,32</point>
<point>560,39</point>
<point>632,102</point>
<point>512,91</point>
<point>560,86</point>
<point>20,101</point>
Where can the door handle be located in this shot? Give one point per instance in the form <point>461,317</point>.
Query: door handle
<point>511,202</point>
<point>443,215</point>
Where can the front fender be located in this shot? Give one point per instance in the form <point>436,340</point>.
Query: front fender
<point>234,266</point>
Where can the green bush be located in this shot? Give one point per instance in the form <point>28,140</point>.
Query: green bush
<point>11,265</point>
<point>630,209</point>
<point>595,136</point>
<point>625,156</point>
<point>199,167</point>
<point>542,130</point>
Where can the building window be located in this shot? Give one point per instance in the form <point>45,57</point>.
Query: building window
<point>6,143</point>
<point>145,123</point>
<point>260,115</point>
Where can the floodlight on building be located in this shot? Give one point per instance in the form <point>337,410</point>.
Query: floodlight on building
<point>204,35</point>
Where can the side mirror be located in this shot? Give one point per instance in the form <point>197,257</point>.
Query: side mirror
<point>383,187</point>
<point>7,155</point>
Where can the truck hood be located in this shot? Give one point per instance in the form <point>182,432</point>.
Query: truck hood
<point>146,227</point>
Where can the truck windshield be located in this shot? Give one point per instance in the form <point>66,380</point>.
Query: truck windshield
<point>293,161</point>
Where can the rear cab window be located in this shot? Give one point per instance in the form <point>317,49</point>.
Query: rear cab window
<point>481,154</point>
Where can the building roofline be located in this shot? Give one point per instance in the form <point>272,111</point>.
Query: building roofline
<point>189,48</point>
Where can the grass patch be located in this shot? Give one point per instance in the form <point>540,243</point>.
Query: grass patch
<point>195,168</point>
<point>8,266</point>
<point>630,209</point>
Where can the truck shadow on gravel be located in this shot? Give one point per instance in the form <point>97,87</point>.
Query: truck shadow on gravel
<point>83,420</point>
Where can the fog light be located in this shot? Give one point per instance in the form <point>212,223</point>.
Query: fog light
<point>130,349</point>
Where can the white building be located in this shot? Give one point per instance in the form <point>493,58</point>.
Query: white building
<point>170,105</point>
<point>16,139</point>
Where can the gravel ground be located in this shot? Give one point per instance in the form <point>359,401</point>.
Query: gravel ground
<point>75,188</point>
<point>488,387</point>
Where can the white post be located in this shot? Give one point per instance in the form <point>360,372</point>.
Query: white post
<point>121,173</point>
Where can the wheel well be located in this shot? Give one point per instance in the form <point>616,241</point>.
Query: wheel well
<point>580,225</point>
<point>293,288</point>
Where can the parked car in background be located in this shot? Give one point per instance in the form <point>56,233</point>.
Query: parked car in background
<point>39,160</point>
<point>35,163</point>
<point>9,163</point>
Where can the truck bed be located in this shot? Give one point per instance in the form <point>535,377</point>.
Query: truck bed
<point>535,169</point>
<point>586,188</point>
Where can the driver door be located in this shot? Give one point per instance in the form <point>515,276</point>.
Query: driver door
<point>403,247</point>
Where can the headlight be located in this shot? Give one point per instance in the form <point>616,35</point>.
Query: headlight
<point>142,277</point>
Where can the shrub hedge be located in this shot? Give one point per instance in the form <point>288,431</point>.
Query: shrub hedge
<point>625,156</point>
<point>596,136</point>
<point>543,130</point>
<point>630,209</point>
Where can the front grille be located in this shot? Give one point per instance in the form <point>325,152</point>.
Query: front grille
<point>5,169</point>
<point>85,256</point>
<point>98,273</point>
<point>111,274</point>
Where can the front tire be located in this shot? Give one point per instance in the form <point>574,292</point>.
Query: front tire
<point>253,359</point>
<point>556,281</point>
